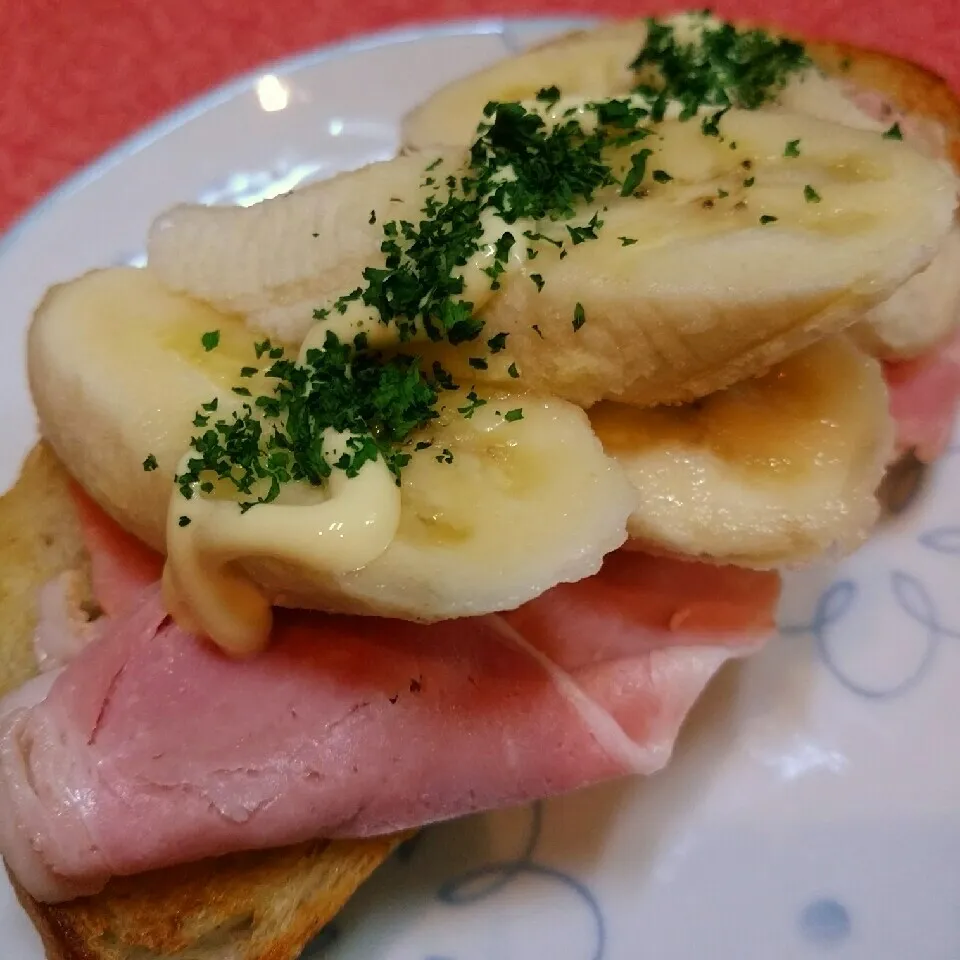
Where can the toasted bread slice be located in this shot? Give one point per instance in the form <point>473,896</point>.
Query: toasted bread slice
<point>266,905</point>
<point>256,906</point>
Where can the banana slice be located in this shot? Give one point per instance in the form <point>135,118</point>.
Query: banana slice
<point>595,65</point>
<point>117,371</point>
<point>590,63</point>
<point>774,470</point>
<point>746,255</point>
<point>921,314</point>
<point>493,513</point>
<point>501,506</point>
<point>276,261</point>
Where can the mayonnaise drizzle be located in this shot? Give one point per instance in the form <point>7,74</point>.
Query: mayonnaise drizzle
<point>206,589</point>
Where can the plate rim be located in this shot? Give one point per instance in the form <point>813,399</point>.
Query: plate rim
<point>172,119</point>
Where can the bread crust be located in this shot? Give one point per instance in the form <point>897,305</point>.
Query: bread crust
<point>255,906</point>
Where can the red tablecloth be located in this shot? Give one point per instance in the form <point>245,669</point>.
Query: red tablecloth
<point>78,75</point>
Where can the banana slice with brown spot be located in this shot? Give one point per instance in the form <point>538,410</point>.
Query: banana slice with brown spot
<point>776,470</point>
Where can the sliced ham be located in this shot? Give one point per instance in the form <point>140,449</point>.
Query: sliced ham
<point>121,565</point>
<point>152,748</point>
<point>924,397</point>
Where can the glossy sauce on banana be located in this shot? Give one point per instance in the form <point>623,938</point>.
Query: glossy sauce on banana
<point>777,428</point>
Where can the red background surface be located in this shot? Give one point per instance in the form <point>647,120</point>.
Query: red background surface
<point>79,75</point>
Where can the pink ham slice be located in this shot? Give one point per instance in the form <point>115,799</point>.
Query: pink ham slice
<point>121,565</point>
<point>152,748</point>
<point>924,397</point>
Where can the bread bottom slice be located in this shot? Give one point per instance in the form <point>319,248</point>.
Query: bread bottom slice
<point>265,905</point>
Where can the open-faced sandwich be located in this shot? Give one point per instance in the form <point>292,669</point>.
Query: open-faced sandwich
<point>449,483</point>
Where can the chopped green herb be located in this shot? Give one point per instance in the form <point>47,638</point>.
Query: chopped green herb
<point>586,232</point>
<point>638,167</point>
<point>720,65</point>
<point>183,521</point>
<point>792,148</point>
<point>513,415</point>
<point>627,241</point>
<point>498,342</point>
<point>423,445</point>
<point>512,371</point>
<point>241,391</point>
<point>894,133</point>
<point>474,403</point>
<point>766,218</point>
<point>538,280</point>
<point>373,217</point>
<point>478,363</point>
<point>548,95</point>
<point>623,115</point>
<point>446,456</point>
<point>542,236</point>
<point>436,163</point>
<point>579,317</point>
<point>377,401</point>
<point>150,463</point>
<point>721,193</point>
<point>661,176</point>
<point>710,126</point>
<point>210,340</point>
<point>200,420</point>
<point>248,371</point>
<point>749,182</point>
<point>211,406</point>
<point>810,195</point>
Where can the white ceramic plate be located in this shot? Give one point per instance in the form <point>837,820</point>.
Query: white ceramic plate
<point>813,807</point>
